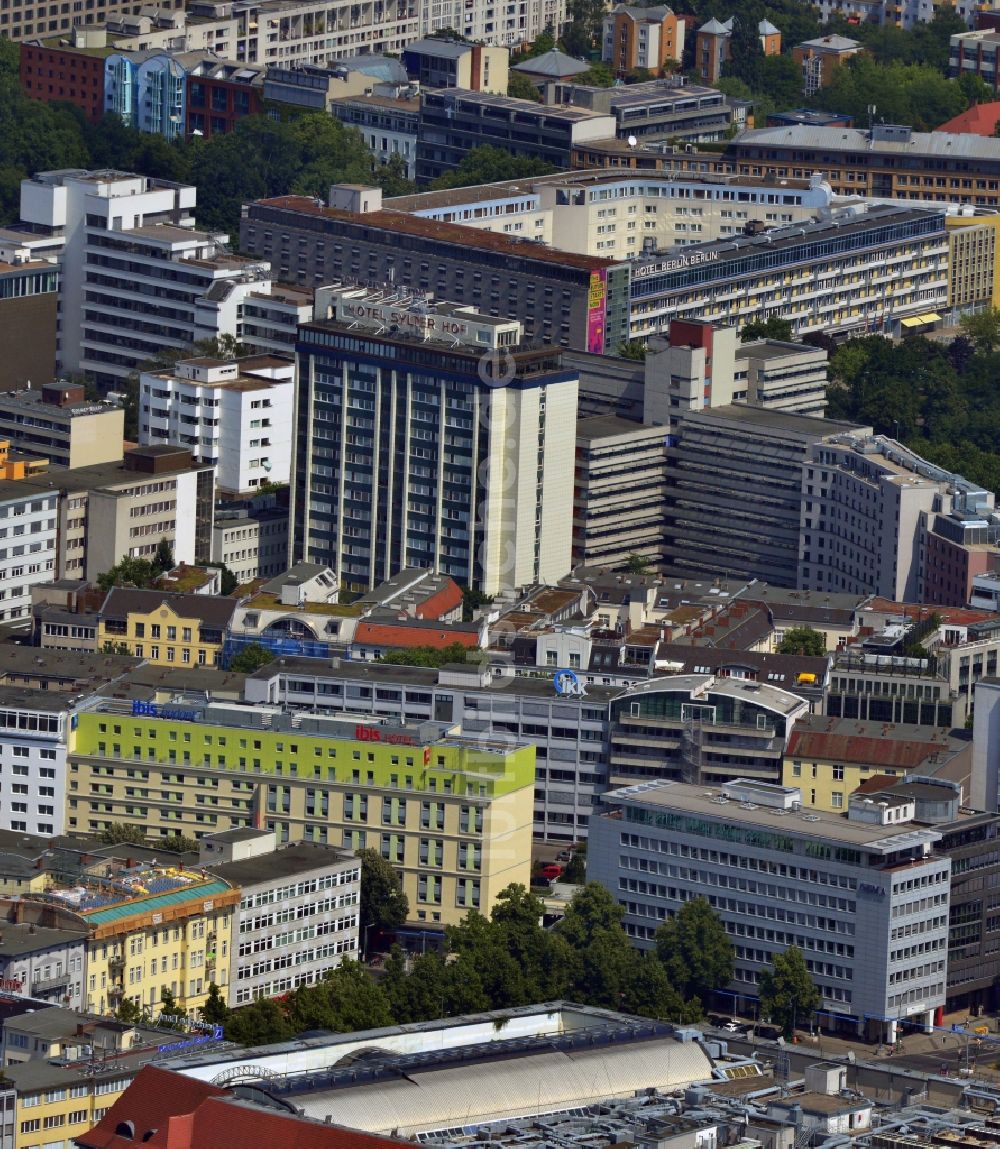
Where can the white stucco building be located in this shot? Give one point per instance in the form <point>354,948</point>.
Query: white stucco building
<point>33,730</point>
<point>235,414</point>
<point>28,544</point>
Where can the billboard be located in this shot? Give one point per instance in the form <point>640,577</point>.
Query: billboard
<point>597,301</point>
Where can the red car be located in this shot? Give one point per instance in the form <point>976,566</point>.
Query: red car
<point>552,871</point>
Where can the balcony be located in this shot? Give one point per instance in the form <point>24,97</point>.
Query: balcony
<point>47,984</point>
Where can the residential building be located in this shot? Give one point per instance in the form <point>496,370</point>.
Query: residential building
<point>726,281</point>
<point>619,492</point>
<point>893,688</point>
<point>112,316</point>
<point>975,54</point>
<point>235,414</point>
<point>37,20</point>
<point>64,72</point>
<point>440,63</point>
<point>108,510</point>
<point>28,542</point>
<point>517,23</point>
<point>973,259</point>
<point>984,784</point>
<point>565,299</point>
<point>619,217</point>
<point>165,628</point>
<point>389,123</point>
<point>277,949</point>
<point>874,877</point>
<point>782,376</point>
<point>888,161</point>
<point>820,58</point>
<point>830,758</point>
<point>220,93</point>
<point>711,45</point>
<point>641,38</point>
<point>451,812</point>
<point>42,957</point>
<point>455,510</point>
<point>454,121</point>
<point>147,91</point>
<point>667,109</point>
<point>271,319</point>
<point>35,735</point>
<point>56,421</point>
<point>28,304</point>
<point>251,540</point>
<point>702,729</point>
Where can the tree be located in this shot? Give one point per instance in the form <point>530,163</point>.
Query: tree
<point>472,600</point>
<point>521,88</point>
<point>252,657</point>
<point>346,1000</point>
<point>129,571</point>
<point>803,640</point>
<point>262,1023</point>
<point>116,648</point>
<point>122,833</point>
<point>598,75</point>
<point>771,328</point>
<point>637,564</point>
<point>214,1011</point>
<point>384,906</point>
<point>787,993</point>
<point>163,560</point>
<point>168,1003</point>
<point>576,868</point>
<point>582,30</point>
<point>633,349</point>
<point>427,655</point>
<point>982,328</point>
<point>228,582</point>
<point>487,165</point>
<point>130,1011</point>
<point>181,844</point>
<point>695,950</point>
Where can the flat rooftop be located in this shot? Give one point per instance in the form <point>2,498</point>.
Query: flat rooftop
<point>809,825</point>
<point>298,858</point>
<point>807,426</point>
<point>943,145</point>
<point>768,697</point>
<point>455,235</point>
<point>614,427</point>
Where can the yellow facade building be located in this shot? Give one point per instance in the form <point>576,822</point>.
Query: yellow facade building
<point>829,758</point>
<point>452,814</point>
<point>166,629</point>
<point>973,261</point>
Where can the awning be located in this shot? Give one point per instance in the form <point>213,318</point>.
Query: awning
<point>913,321</point>
<point>930,317</point>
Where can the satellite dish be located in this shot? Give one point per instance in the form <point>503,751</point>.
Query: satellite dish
<point>632,141</point>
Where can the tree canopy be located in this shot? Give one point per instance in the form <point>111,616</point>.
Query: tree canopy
<point>383,903</point>
<point>252,657</point>
<point>787,993</point>
<point>427,655</point>
<point>695,950</point>
<point>939,399</point>
<point>803,640</point>
<point>487,165</point>
<point>774,327</point>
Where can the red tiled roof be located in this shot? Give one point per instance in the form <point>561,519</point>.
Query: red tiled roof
<point>979,120</point>
<point>442,602</point>
<point>956,615</point>
<point>858,749</point>
<point>385,634</point>
<point>155,1100</point>
<point>235,1125</point>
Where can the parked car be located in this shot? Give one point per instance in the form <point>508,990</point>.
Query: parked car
<point>552,871</point>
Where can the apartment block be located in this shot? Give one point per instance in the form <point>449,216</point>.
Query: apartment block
<point>28,543</point>
<point>712,47</point>
<point>298,914</point>
<point>235,415</point>
<point>35,734</point>
<point>975,54</point>
<point>508,410</point>
<point>518,22</point>
<point>389,123</point>
<point>45,962</point>
<point>28,305</point>
<point>619,492</point>
<point>126,238</point>
<point>39,19</point>
<point>820,58</point>
<point>252,541</point>
<point>850,892</point>
<point>452,812</point>
<point>318,86</point>
<point>641,38</point>
<point>439,63</point>
<point>56,421</point>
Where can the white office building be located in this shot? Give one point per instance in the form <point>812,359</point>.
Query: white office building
<point>33,729</point>
<point>28,544</point>
<point>235,414</point>
<point>298,916</point>
<point>136,277</point>
<point>863,895</point>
